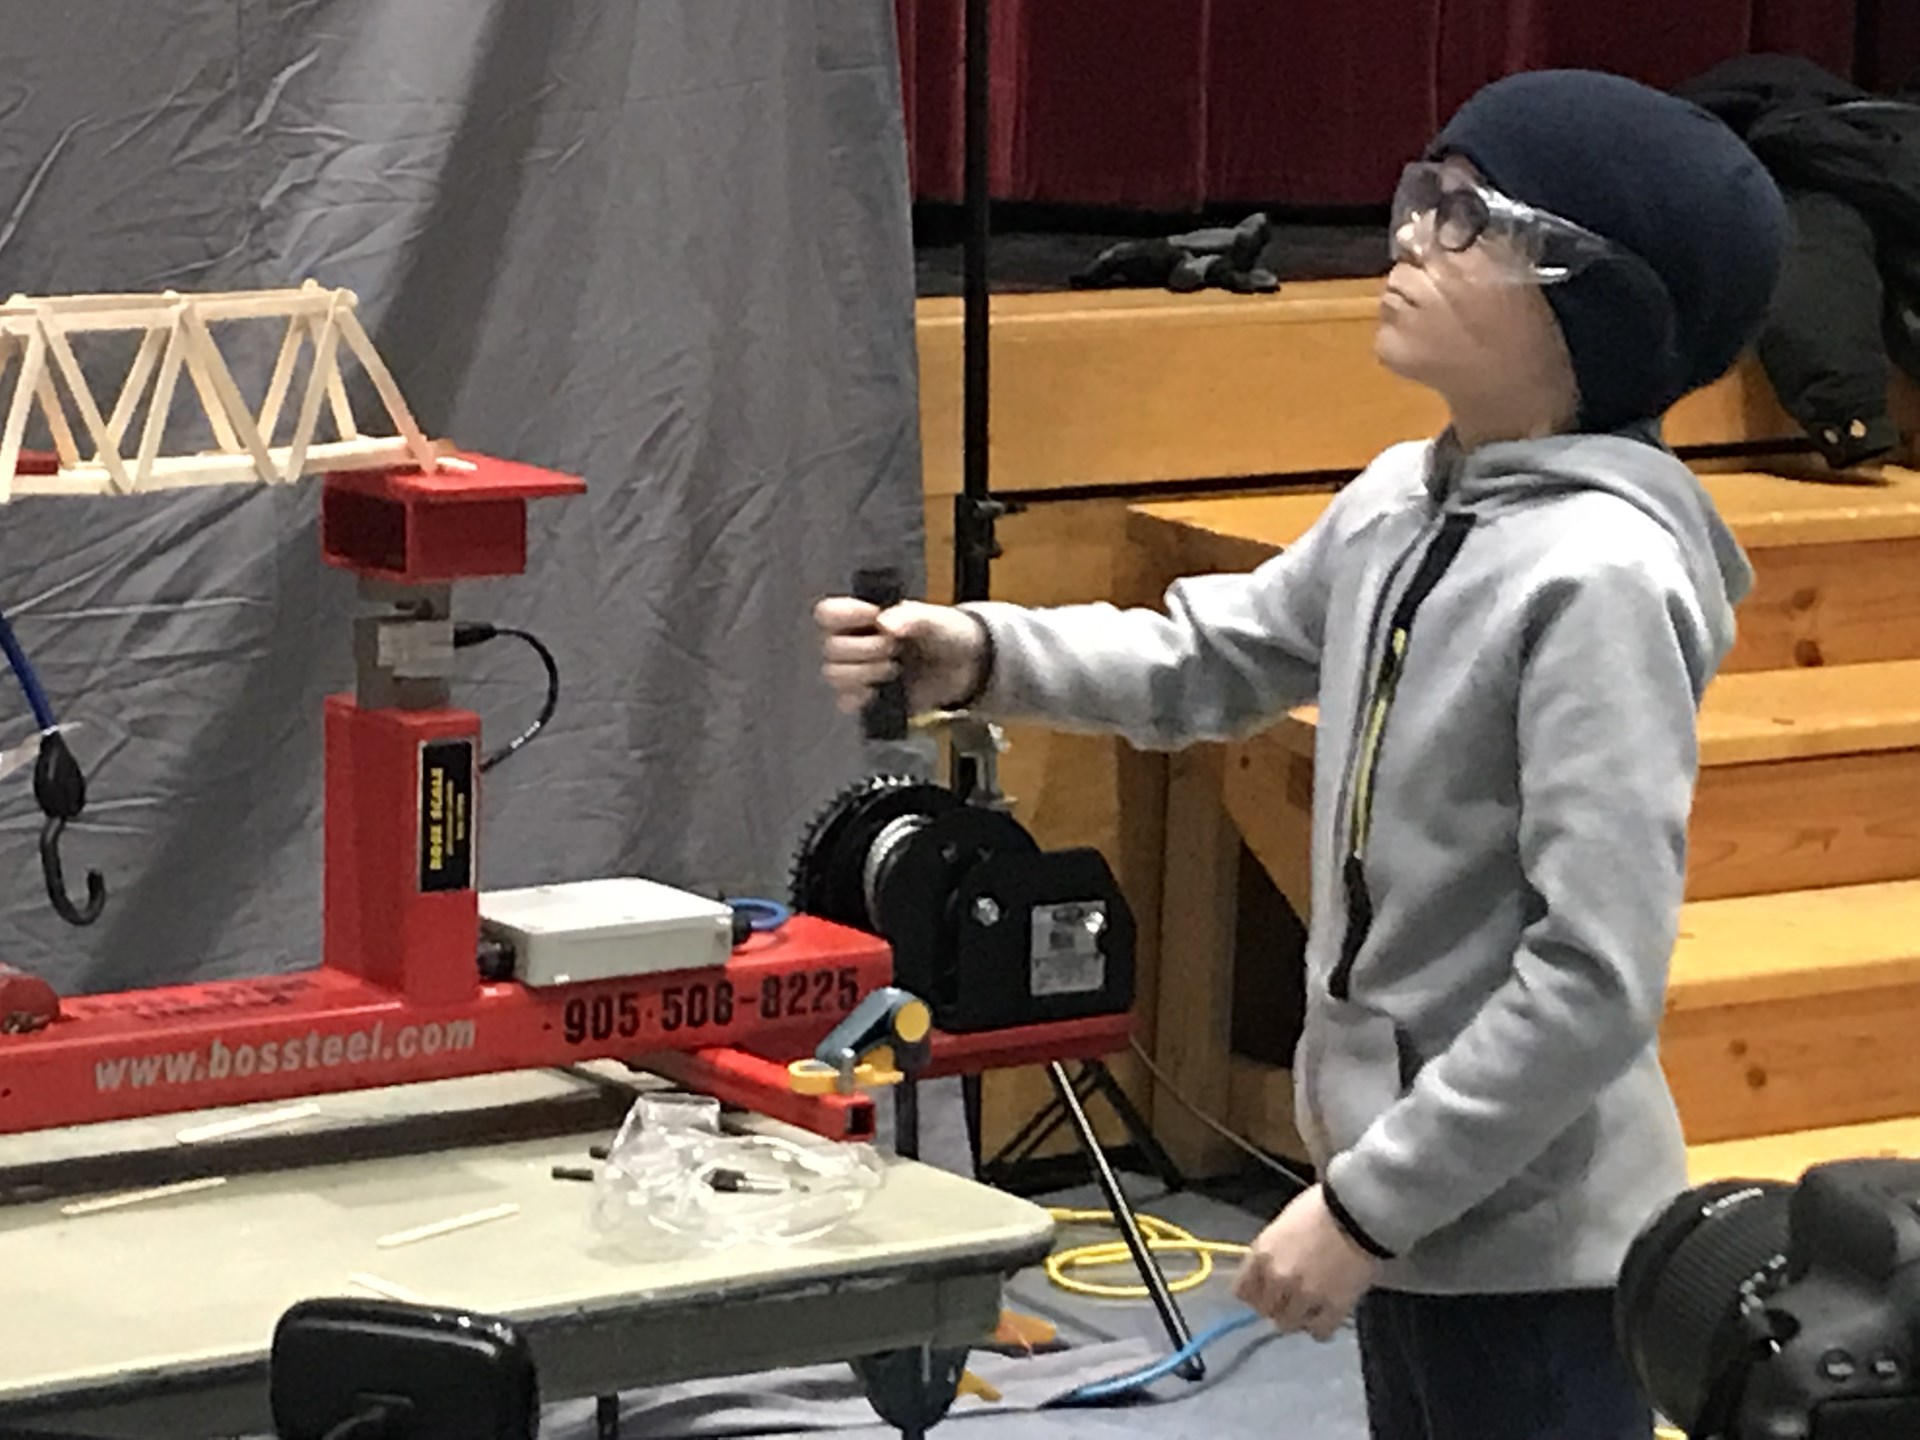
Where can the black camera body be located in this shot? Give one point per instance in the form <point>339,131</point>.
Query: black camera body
<point>1765,1311</point>
<point>1841,1331</point>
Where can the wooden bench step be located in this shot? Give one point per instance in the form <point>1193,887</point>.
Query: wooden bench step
<point>1787,1156</point>
<point>1834,563</point>
<point>1770,715</point>
<point>1808,778</point>
<point>1797,945</point>
<point>1785,1013</point>
<point>1263,1100</point>
<point>1793,1011</point>
<point>1801,714</point>
<point>1765,510</point>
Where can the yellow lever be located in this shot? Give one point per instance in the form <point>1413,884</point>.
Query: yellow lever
<point>816,1077</point>
<point>867,1049</point>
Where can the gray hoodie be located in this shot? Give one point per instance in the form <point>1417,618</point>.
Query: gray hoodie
<point>1478,1078</point>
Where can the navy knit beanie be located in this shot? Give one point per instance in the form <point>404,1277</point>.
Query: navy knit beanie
<point>1702,222</point>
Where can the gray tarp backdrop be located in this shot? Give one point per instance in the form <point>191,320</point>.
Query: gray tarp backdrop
<point>661,243</point>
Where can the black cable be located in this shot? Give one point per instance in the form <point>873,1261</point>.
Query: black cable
<point>475,633</point>
<point>1300,1182</point>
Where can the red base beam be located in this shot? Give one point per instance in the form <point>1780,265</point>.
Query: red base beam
<point>235,1042</point>
<point>980,1051</point>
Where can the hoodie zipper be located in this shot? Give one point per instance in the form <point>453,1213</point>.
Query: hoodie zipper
<point>1435,508</point>
<point>1343,803</point>
<point>1366,733</point>
<point>1358,805</point>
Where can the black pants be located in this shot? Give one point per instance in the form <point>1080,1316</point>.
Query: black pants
<point>1497,1367</point>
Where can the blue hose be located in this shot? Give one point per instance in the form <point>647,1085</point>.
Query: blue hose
<point>1120,1387</point>
<point>29,682</point>
<point>764,914</point>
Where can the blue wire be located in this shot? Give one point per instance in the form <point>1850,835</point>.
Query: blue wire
<point>29,682</point>
<point>1120,1386</point>
<point>765,914</point>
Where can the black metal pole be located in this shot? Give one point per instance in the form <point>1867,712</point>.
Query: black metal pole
<point>971,568</point>
<point>1193,1368</point>
<point>1136,1123</point>
<point>973,507</point>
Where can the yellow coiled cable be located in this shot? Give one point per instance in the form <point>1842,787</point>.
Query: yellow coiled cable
<point>1162,1238</point>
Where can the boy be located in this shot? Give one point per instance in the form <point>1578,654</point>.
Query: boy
<point>1508,631</point>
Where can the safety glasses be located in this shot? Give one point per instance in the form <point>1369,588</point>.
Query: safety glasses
<point>1439,207</point>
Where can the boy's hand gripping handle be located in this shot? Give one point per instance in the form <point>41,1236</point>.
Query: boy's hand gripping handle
<point>885,716</point>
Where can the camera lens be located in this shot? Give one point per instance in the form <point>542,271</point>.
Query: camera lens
<point>1683,1288</point>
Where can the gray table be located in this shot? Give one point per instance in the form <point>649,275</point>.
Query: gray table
<point>154,1321</point>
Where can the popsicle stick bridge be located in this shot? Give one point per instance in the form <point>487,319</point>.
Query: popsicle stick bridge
<point>43,342</point>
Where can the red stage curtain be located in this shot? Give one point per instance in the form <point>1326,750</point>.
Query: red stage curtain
<point>1154,105</point>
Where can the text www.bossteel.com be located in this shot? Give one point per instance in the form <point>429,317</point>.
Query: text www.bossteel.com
<point>313,1051</point>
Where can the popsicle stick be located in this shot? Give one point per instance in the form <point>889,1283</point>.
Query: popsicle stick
<point>355,335</point>
<point>141,1197</point>
<point>200,338</point>
<point>224,435</point>
<point>56,412</point>
<point>282,378</point>
<point>326,347</point>
<point>159,409</point>
<point>62,353</point>
<point>447,1227</point>
<point>32,364</point>
<point>144,359</point>
<point>345,426</point>
<point>241,1124</point>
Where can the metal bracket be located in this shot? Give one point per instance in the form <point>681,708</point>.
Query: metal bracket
<point>403,644</point>
<point>977,746</point>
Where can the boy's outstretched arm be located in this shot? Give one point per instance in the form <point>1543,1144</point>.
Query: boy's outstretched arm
<point>1231,652</point>
<point>1608,755</point>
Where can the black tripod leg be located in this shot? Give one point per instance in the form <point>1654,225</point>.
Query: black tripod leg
<point>1137,1128</point>
<point>1037,1131</point>
<point>1030,1137</point>
<point>1193,1368</point>
<point>970,1101</point>
<point>906,1120</point>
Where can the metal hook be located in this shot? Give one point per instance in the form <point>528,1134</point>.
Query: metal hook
<point>56,878</point>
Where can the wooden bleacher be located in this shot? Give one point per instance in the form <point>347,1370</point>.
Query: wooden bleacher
<point>1832,590</point>
<point>1796,983</point>
<point>1131,388</point>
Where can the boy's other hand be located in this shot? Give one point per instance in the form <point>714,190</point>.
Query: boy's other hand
<point>1304,1272</point>
<point>938,648</point>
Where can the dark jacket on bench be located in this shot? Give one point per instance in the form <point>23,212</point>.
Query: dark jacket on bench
<point>1849,165</point>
